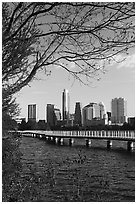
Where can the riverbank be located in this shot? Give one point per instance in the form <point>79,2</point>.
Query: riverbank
<point>11,167</point>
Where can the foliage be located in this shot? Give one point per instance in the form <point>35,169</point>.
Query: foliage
<point>7,124</point>
<point>9,105</point>
<point>42,125</point>
<point>31,125</point>
<point>10,109</point>
<point>22,125</point>
<point>11,168</point>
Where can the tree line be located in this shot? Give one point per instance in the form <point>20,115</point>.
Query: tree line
<point>42,125</point>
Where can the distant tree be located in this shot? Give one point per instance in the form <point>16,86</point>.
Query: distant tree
<point>80,37</point>
<point>31,125</point>
<point>127,126</point>
<point>23,125</point>
<point>41,125</point>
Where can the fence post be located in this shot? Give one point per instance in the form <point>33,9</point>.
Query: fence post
<point>109,144</point>
<point>130,146</point>
<point>88,142</point>
<point>71,141</point>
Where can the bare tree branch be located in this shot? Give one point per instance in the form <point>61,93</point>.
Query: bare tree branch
<point>39,35</point>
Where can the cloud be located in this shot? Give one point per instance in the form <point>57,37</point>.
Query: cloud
<point>124,62</point>
<point>129,63</point>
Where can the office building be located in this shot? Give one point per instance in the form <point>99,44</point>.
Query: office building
<point>77,116</point>
<point>109,118</point>
<point>102,110</point>
<point>94,114</point>
<point>65,105</point>
<point>119,111</point>
<point>32,112</point>
<point>50,115</point>
<point>53,115</point>
<point>71,119</point>
<point>57,116</point>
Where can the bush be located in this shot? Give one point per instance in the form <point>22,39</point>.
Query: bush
<point>8,124</point>
<point>11,167</point>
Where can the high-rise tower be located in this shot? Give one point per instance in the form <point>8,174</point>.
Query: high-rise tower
<point>65,105</point>
<point>103,113</point>
<point>32,112</point>
<point>50,115</point>
<point>57,116</point>
<point>118,110</point>
<point>77,116</point>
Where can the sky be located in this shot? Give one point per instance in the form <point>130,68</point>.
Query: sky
<point>118,81</point>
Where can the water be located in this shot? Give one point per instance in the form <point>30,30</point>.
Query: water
<point>77,173</point>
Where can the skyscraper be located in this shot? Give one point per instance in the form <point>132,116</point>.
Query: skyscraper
<point>50,115</point>
<point>119,111</point>
<point>65,105</point>
<point>32,112</point>
<point>77,116</point>
<point>103,113</point>
<point>57,116</point>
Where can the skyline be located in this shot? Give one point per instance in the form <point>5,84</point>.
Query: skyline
<point>118,81</point>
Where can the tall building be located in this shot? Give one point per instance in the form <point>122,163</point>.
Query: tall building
<point>71,119</point>
<point>77,116</point>
<point>94,114</point>
<point>65,105</point>
<point>50,115</point>
<point>32,112</point>
<point>102,110</point>
<point>57,116</point>
<point>53,115</point>
<point>119,111</point>
<point>109,118</point>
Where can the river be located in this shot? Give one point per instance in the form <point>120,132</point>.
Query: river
<point>53,173</point>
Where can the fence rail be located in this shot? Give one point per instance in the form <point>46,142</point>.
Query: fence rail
<point>121,135</point>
